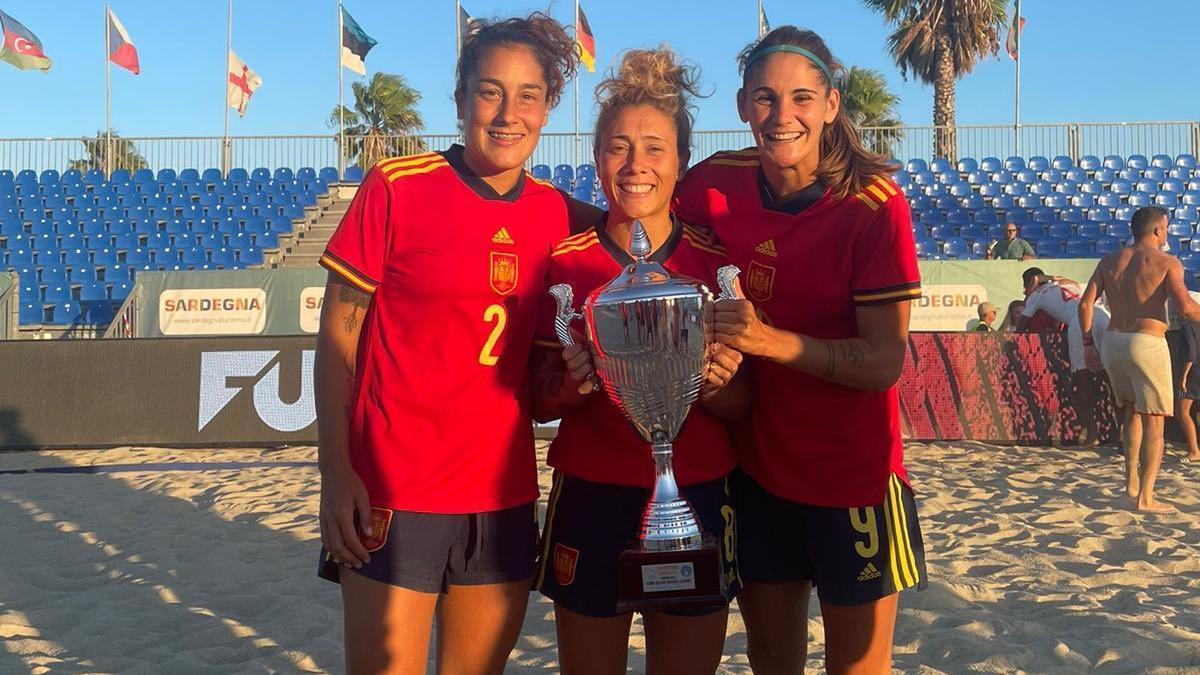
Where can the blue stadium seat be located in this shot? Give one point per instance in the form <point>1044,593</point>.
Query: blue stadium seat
<point>57,292</point>
<point>955,247</point>
<point>1162,161</point>
<point>972,232</point>
<point>1079,248</point>
<point>1043,215</point>
<point>1105,175</point>
<point>991,164</point>
<point>114,273</point>
<point>166,175</point>
<point>940,165</point>
<point>1106,245</point>
<point>189,176</point>
<point>1029,201</point>
<point>1090,163</point>
<point>65,313</point>
<point>211,176</point>
<point>1137,162</point>
<point>1167,199</point>
<point>917,165</point>
<point>194,256</point>
<point>239,175</point>
<point>1180,228</point>
<point>967,165</point>
<point>1179,173</point>
<point>1083,200</point>
<point>1051,175</point>
<point>1130,174</point>
<point>1118,229</point>
<point>95,290</point>
<point>1187,212</point>
<point>20,256</point>
<point>1015,189</point>
<point>1121,186</point>
<point>302,174</point>
<point>1038,163</point>
<point>261,174</point>
<point>100,312</point>
<point>1154,173</point>
<point>1089,231</point>
<point>250,255</point>
<point>1072,214</point>
<point>943,231</point>
<point>354,174</point>
<point>284,174</point>
<point>1062,163</point>
<point>1016,215</point>
<point>1067,187</point>
<point>1186,161</point>
<point>1099,215</point>
<point>30,313</point>
<point>1014,164</point>
<point>926,248</point>
<point>1114,162</point>
<point>987,217</point>
<point>1147,186</point>
<point>974,202</point>
<point>1026,176</point>
<point>1003,202</point>
<point>224,257</point>
<point>1171,185</point>
<point>49,177</point>
<point>1041,188</point>
<point>978,177</point>
<point>1109,200</point>
<point>1056,201</point>
<point>328,174</point>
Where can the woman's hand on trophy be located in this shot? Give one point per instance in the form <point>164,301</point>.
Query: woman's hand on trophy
<point>578,359</point>
<point>722,366</point>
<point>345,515</point>
<point>736,324</point>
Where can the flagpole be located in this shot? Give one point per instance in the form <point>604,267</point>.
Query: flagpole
<point>1017,97</point>
<point>758,20</point>
<point>457,30</point>
<point>578,72</point>
<point>341,105</point>
<point>107,96</point>
<point>225,81</point>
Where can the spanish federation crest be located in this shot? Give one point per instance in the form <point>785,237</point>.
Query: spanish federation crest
<point>381,520</point>
<point>503,277</point>
<point>565,559</point>
<point>760,279</point>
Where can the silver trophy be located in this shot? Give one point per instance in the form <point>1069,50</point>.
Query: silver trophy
<point>650,336</point>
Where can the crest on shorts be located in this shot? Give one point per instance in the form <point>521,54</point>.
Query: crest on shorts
<point>503,277</point>
<point>565,559</point>
<point>381,520</point>
<point>760,279</point>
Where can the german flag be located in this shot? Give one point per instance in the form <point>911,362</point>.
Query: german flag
<point>585,40</point>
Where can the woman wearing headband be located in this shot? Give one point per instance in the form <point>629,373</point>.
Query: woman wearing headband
<point>824,241</point>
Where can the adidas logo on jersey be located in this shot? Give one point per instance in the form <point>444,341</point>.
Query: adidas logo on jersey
<point>501,237</point>
<point>869,572</point>
<point>767,248</point>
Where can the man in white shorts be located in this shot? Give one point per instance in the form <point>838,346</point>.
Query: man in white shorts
<point>1059,298</point>
<point>1138,280</point>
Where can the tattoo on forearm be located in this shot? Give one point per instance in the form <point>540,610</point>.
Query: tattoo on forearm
<point>358,300</point>
<point>853,355</point>
<point>829,367</point>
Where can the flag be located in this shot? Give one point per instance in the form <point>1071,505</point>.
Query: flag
<point>1013,33</point>
<point>355,44</point>
<point>466,26</point>
<point>585,40</point>
<point>21,47</point>
<point>120,48</point>
<point>764,26</point>
<point>242,83</point>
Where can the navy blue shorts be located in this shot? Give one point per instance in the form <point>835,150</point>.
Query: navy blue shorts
<point>852,556</point>
<point>1192,389</point>
<point>589,524</point>
<point>427,552</point>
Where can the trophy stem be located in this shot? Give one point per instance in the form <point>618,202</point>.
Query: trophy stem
<point>669,523</point>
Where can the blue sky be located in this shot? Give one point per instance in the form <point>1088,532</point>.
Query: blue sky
<point>1083,61</point>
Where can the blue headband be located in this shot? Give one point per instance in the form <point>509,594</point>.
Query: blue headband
<point>758,54</point>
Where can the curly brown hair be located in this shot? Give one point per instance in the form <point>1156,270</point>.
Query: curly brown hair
<point>653,77</point>
<point>846,167</point>
<point>545,37</point>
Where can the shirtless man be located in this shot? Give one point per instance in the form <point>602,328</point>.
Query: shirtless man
<point>1138,280</point>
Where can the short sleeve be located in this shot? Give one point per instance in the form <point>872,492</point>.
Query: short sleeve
<point>884,257</point>
<point>1032,305</point>
<point>359,247</point>
<point>1028,247</point>
<point>690,201</point>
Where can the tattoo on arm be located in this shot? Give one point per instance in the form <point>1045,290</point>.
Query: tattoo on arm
<point>852,354</point>
<point>829,368</point>
<point>358,300</point>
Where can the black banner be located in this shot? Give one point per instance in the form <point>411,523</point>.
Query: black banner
<point>178,392</point>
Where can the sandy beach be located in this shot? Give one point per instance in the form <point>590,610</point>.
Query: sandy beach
<point>137,560</point>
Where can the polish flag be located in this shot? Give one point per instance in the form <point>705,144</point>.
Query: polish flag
<point>120,48</point>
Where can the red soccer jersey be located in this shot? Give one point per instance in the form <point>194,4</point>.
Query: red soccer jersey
<point>595,442</point>
<point>808,264</point>
<point>440,420</point>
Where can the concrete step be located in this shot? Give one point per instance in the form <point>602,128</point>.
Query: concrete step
<point>301,260</point>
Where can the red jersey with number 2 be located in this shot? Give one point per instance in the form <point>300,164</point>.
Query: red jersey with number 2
<point>440,419</point>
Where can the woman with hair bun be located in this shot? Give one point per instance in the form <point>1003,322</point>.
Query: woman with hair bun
<point>824,241</point>
<point>603,468</point>
<point>435,280</point>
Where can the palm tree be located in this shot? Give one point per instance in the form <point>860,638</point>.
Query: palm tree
<point>384,120</point>
<point>940,41</point>
<point>872,107</point>
<point>124,154</point>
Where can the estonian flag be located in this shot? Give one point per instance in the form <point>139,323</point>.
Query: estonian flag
<point>355,44</point>
<point>120,48</point>
<point>585,40</point>
<point>21,47</point>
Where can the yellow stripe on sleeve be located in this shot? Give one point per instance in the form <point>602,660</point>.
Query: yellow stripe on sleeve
<point>868,201</point>
<point>397,174</point>
<point>408,160</point>
<point>348,274</point>
<point>901,294</point>
<point>874,189</point>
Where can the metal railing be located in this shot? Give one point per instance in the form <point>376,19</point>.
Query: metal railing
<point>125,324</point>
<point>1073,140</point>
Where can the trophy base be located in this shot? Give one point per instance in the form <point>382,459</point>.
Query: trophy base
<point>677,580</point>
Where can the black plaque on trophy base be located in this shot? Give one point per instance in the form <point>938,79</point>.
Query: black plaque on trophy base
<point>678,580</point>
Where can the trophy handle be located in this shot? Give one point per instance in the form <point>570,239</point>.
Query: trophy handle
<point>726,281</point>
<point>564,297</point>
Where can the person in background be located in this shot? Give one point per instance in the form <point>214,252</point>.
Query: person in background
<point>1189,388</point>
<point>1138,280</point>
<point>1011,247</point>
<point>987,315</point>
